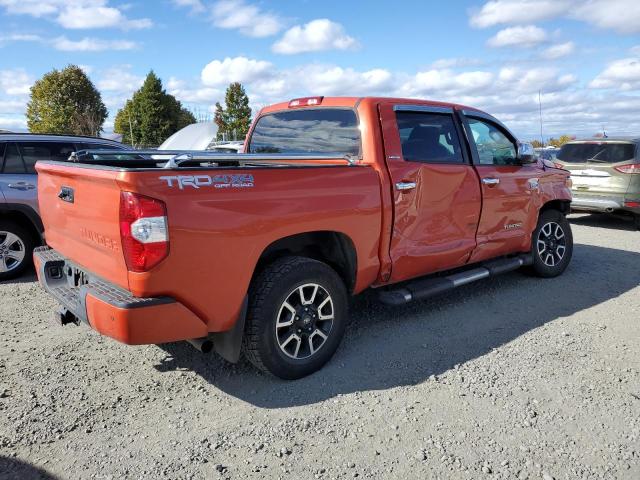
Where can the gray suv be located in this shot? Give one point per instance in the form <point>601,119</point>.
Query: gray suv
<point>20,225</point>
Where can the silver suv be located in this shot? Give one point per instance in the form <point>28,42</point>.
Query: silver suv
<point>20,226</point>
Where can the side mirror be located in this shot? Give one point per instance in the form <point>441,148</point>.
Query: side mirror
<point>526,154</point>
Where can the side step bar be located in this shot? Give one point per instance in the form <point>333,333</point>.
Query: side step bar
<point>428,287</point>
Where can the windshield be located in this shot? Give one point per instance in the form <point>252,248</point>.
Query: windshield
<point>597,152</point>
<point>309,131</point>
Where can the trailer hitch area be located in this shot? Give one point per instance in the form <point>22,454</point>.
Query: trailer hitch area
<point>64,317</point>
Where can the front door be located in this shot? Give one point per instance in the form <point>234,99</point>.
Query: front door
<point>508,212</point>
<point>436,193</point>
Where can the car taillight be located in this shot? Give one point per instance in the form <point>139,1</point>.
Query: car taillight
<point>632,204</point>
<point>305,102</point>
<point>143,231</point>
<point>633,168</point>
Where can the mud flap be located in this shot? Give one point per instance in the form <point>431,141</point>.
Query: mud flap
<point>228,344</point>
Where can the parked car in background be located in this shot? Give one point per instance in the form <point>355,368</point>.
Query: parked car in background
<point>20,224</point>
<point>226,147</point>
<point>547,153</point>
<point>605,174</point>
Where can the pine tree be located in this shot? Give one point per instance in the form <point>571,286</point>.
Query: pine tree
<point>234,120</point>
<point>151,115</point>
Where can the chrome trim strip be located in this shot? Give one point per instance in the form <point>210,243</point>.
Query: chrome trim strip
<point>422,108</point>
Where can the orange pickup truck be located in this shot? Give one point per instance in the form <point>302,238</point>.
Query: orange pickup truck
<point>259,252</point>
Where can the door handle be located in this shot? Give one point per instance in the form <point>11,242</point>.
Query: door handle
<point>405,186</point>
<point>491,181</point>
<point>22,186</point>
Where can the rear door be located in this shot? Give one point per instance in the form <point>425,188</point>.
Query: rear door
<point>436,191</point>
<point>508,213</point>
<point>18,179</point>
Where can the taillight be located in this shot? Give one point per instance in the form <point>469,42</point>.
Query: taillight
<point>633,168</point>
<point>143,231</point>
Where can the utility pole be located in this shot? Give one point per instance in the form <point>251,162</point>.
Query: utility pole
<point>540,105</point>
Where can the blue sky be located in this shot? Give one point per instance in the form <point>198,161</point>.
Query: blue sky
<point>583,55</point>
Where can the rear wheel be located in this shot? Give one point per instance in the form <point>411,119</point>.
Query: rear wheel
<point>296,318</point>
<point>16,250</point>
<point>552,244</point>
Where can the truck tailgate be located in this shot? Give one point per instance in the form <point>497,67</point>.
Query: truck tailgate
<point>80,208</point>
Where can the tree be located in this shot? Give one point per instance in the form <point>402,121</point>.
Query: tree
<point>558,142</point>
<point>65,101</point>
<point>151,115</point>
<point>234,120</point>
<point>537,144</point>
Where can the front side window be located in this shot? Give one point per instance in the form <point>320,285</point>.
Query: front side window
<point>325,131</point>
<point>34,151</point>
<point>12,160</point>
<point>493,146</point>
<point>428,137</point>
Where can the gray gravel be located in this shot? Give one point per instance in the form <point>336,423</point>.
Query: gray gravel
<point>511,378</point>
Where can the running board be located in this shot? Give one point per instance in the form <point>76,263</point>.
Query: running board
<point>428,287</point>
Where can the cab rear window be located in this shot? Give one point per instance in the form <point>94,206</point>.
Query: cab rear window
<point>325,131</point>
<point>597,152</point>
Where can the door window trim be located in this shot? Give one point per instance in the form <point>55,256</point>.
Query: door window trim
<point>485,117</point>
<point>460,132</point>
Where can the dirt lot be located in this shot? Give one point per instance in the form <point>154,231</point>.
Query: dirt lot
<point>511,378</point>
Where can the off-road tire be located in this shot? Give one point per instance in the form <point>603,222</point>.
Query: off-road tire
<point>539,267</point>
<point>29,244</point>
<point>268,293</point>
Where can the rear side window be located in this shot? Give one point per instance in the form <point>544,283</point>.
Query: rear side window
<point>310,131</point>
<point>34,151</point>
<point>597,152</point>
<point>98,146</point>
<point>12,160</point>
<point>429,137</point>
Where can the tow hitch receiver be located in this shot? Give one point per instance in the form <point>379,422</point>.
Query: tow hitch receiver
<point>65,317</point>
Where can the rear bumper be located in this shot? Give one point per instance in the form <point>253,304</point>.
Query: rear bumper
<point>111,310</point>
<point>588,203</point>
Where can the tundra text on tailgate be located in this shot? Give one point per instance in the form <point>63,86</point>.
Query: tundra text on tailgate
<point>259,252</point>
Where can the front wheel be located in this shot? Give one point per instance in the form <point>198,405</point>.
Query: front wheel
<point>296,317</point>
<point>16,250</point>
<point>552,244</point>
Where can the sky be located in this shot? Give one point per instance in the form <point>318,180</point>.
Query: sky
<point>581,58</point>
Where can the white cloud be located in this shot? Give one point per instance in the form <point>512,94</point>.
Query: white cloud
<point>521,36</point>
<point>559,50</point>
<point>511,12</point>
<point>119,79</point>
<point>237,69</point>
<point>623,74</point>
<point>317,35</point>
<point>622,16</point>
<point>91,45</point>
<point>196,6</point>
<point>635,50</point>
<point>248,19</point>
<point>76,14</point>
<point>15,82</point>
<point>13,123</point>
<point>18,37</point>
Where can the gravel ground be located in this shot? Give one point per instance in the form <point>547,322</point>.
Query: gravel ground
<point>513,377</point>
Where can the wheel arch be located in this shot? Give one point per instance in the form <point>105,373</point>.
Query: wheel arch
<point>563,206</point>
<point>26,217</point>
<point>336,249</point>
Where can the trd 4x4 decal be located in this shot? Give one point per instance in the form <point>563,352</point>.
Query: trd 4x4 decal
<point>242,180</point>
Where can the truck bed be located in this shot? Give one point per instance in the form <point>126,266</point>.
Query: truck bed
<point>220,219</point>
